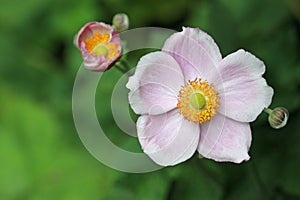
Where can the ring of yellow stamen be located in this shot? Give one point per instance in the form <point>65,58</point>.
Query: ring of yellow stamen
<point>99,44</point>
<point>198,101</point>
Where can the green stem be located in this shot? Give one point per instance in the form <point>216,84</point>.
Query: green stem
<point>120,68</point>
<point>125,64</point>
<point>268,110</point>
<point>123,67</point>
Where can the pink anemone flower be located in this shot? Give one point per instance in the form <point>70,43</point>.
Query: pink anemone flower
<point>191,99</point>
<point>100,46</point>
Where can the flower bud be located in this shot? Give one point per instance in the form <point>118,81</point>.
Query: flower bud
<point>278,117</point>
<point>100,46</point>
<point>120,22</point>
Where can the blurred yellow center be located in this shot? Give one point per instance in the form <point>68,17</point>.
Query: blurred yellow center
<point>100,45</point>
<point>100,49</point>
<point>197,101</point>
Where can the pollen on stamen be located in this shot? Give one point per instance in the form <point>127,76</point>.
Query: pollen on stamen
<point>102,40</point>
<point>96,39</point>
<point>113,50</point>
<point>184,101</point>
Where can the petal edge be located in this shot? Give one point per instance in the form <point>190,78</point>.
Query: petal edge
<point>225,140</point>
<point>168,139</point>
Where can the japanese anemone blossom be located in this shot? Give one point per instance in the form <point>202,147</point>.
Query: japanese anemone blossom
<point>100,46</point>
<point>190,98</point>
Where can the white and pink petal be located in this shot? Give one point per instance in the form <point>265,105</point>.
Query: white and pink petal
<point>225,140</point>
<point>95,63</point>
<point>155,85</point>
<point>195,51</point>
<point>243,91</point>
<point>168,139</point>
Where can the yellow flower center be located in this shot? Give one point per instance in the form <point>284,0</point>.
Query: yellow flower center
<point>198,101</point>
<point>99,44</point>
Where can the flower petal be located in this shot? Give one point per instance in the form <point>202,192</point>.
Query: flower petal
<point>88,30</point>
<point>195,51</point>
<point>155,85</point>
<point>168,139</point>
<point>242,90</point>
<point>223,139</point>
<point>96,63</point>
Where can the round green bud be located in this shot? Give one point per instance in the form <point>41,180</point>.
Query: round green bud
<point>278,117</point>
<point>120,22</point>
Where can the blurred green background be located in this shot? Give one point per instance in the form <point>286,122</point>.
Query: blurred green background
<point>41,154</point>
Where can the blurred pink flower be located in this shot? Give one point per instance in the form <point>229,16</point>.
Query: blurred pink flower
<point>191,99</point>
<point>100,46</point>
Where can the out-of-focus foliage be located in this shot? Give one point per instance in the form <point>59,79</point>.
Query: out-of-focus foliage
<point>40,153</point>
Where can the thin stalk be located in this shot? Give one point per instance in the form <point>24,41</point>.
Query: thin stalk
<point>268,110</point>
<point>120,69</point>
